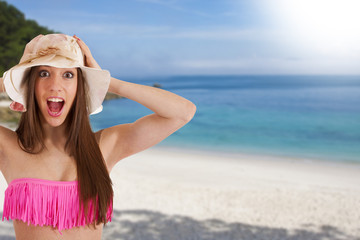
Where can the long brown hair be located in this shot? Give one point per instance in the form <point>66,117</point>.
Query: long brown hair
<point>93,178</point>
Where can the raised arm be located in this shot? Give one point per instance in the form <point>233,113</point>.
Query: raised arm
<point>171,112</point>
<point>164,103</point>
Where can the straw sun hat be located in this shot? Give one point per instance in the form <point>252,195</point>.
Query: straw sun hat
<point>60,51</point>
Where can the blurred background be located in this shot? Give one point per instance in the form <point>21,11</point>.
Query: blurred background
<point>277,89</point>
<point>269,77</point>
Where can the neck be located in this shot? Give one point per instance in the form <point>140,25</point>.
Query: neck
<point>55,136</point>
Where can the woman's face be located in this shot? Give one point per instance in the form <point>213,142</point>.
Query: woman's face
<point>55,90</point>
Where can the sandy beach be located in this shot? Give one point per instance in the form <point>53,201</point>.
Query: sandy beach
<point>165,193</point>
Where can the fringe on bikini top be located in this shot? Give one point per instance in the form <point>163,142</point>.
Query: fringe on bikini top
<point>47,203</point>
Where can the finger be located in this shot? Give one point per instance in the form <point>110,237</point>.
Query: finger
<point>83,47</point>
<point>81,43</point>
<point>77,38</point>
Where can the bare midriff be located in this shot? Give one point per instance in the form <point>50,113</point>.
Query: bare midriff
<point>23,231</point>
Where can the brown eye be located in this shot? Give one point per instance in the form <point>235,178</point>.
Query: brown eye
<point>44,73</point>
<point>68,75</point>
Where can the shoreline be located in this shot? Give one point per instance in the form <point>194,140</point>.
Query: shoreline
<point>231,152</point>
<point>190,191</point>
<point>283,194</point>
<point>237,155</point>
<point>258,156</point>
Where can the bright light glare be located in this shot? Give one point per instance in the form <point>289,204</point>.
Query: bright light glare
<point>320,24</point>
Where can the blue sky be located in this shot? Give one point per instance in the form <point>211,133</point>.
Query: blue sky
<point>186,37</point>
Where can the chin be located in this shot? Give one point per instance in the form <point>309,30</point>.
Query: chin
<point>54,121</point>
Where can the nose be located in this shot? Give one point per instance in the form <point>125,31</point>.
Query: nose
<point>55,83</point>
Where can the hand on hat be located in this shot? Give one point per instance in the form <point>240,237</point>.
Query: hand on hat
<point>89,60</point>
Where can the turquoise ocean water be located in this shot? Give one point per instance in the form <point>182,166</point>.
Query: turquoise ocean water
<point>297,116</point>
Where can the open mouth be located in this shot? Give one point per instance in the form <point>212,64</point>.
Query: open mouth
<point>55,106</point>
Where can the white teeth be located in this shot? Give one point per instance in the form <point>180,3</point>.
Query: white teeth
<point>55,100</point>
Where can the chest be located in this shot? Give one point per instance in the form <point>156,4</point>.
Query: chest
<point>51,164</point>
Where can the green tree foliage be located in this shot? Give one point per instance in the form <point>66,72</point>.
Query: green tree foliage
<point>15,33</point>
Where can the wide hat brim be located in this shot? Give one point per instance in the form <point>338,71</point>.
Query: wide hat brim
<point>97,80</point>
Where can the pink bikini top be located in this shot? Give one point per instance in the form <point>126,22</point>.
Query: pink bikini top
<point>47,203</point>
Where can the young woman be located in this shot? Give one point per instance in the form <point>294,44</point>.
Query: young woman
<point>56,168</point>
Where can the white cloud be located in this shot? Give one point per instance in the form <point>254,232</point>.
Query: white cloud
<point>150,31</point>
<point>118,31</point>
<point>175,5</point>
<point>209,34</point>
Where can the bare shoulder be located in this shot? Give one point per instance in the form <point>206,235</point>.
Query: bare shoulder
<point>108,140</point>
<point>6,135</point>
<point>7,138</point>
<point>107,136</point>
